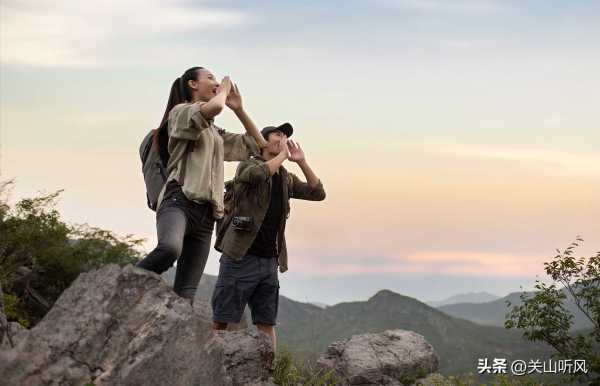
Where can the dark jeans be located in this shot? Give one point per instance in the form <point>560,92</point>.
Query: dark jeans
<point>184,230</point>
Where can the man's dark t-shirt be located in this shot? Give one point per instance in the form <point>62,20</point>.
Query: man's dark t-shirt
<point>265,243</point>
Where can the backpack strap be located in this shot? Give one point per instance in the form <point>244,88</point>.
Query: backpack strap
<point>189,148</point>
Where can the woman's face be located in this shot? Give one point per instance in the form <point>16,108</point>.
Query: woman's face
<point>205,86</point>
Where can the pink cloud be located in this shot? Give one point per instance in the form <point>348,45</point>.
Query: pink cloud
<point>450,263</point>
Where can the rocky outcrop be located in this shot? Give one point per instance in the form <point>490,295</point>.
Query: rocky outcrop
<point>393,357</point>
<point>14,334</point>
<point>3,322</point>
<point>125,326</point>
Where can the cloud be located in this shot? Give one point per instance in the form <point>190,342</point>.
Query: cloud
<point>465,6</point>
<point>78,34</point>
<point>460,263</point>
<point>569,163</point>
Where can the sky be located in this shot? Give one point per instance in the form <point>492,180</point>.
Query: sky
<point>457,140</point>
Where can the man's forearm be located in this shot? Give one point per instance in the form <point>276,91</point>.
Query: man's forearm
<point>311,177</point>
<point>250,127</point>
<point>275,163</point>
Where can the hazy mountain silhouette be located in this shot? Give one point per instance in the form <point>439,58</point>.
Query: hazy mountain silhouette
<point>494,313</point>
<point>470,297</point>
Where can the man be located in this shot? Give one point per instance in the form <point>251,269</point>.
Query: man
<point>251,235</point>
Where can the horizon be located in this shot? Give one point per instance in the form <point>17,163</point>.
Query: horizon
<point>169,277</point>
<point>457,141</point>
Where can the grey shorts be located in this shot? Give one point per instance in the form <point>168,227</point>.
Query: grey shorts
<point>252,280</point>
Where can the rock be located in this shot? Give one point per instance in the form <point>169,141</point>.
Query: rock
<point>16,332</point>
<point>10,332</point>
<point>237,353</point>
<point>4,327</point>
<point>393,357</point>
<point>125,326</point>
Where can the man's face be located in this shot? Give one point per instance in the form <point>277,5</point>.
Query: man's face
<point>274,142</point>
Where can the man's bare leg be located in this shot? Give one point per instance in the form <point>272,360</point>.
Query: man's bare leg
<point>219,326</point>
<point>270,331</point>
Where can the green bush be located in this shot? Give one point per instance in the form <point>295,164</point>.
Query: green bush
<point>496,380</point>
<point>292,372</point>
<point>543,317</point>
<point>40,255</point>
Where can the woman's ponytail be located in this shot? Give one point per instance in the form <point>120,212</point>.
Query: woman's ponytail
<point>180,93</point>
<point>161,135</point>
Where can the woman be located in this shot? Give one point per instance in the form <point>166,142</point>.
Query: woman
<point>193,149</point>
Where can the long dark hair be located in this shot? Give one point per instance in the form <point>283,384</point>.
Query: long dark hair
<point>180,92</point>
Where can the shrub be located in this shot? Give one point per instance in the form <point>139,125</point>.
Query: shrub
<point>291,372</point>
<point>543,317</point>
<point>40,255</point>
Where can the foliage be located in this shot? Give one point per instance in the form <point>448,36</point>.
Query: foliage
<point>13,307</point>
<point>469,379</point>
<point>291,372</point>
<point>543,317</point>
<point>40,255</point>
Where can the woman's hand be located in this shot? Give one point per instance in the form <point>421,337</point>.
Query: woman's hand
<point>234,98</point>
<point>296,152</point>
<point>225,86</point>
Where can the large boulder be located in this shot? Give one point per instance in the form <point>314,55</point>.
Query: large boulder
<point>393,357</point>
<point>125,326</point>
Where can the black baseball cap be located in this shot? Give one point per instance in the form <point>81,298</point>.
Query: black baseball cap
<point>285,128</point>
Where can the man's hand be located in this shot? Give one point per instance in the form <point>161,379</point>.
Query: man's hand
<point>234,98</point>
<point>296,152</point>
<point>284,153</point>
<point>283,147</point>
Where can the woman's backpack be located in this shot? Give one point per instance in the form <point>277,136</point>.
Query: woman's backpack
<point>155,174</point>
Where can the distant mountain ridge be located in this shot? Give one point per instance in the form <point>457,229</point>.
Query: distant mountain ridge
<point>494,313</point>
<point>459,343</point>
<point>469,297</point>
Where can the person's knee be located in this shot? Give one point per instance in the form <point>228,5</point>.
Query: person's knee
<point>164,256</point>
<point>170,250</point>
<point>219,326</point>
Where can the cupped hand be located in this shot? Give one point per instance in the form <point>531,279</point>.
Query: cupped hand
<point>296,152</point>
<point>234,98</point>
<point>226,85</point>
<point>283,147</point>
